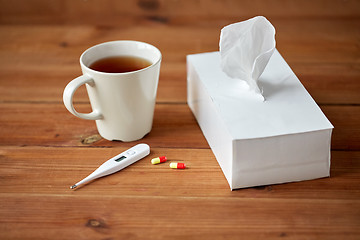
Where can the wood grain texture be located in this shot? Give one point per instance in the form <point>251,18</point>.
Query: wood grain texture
<point>200,12</point>
<point>173,126</point>
<point>54,169</point>
<point>194,218</point>
<point>50,124</point>
<point>157,200</point>
<point>49,57</point>
<point>44,149</point>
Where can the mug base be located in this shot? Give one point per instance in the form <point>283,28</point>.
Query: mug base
<point>125,139</point>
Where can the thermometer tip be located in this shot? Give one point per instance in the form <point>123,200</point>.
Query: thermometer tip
<point>73,186</point>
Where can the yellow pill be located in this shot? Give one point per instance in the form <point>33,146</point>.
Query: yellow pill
<point>178,165</point>
<point>158,160</point>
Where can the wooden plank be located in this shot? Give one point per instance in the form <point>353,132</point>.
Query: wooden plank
<point>346,121</point>
<point>36,62</point>
<point>52,125</point>
<point>150,201</point>
<point>174,126</point>
<point>203,12</point>
<point>124,217</point>
<point>44,86</point>
<point>52,170</point>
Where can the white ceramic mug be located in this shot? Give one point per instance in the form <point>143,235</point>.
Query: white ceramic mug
<point>122,103</point>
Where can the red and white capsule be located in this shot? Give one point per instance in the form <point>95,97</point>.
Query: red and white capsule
<point>178,165</point>
<point>158,160</point>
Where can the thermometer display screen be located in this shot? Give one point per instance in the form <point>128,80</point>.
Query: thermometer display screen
<point>120,159</point>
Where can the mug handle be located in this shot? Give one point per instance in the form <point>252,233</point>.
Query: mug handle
<point>69,94</point>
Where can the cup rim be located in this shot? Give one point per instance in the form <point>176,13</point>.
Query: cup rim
<point>123,73</point>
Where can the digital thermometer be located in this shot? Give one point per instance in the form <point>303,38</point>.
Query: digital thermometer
<point>118,163</point>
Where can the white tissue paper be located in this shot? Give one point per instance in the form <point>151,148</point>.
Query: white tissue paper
<point>245,50</point>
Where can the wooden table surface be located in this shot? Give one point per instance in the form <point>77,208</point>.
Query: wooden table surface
<point>44,149</point>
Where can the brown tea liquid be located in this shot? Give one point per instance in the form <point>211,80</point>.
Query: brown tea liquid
<point>120,64</point>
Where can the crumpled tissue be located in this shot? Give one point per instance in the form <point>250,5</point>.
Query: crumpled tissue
<point>246,48</point>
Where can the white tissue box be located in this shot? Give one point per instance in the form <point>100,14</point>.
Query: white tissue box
<point>285,138</point>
